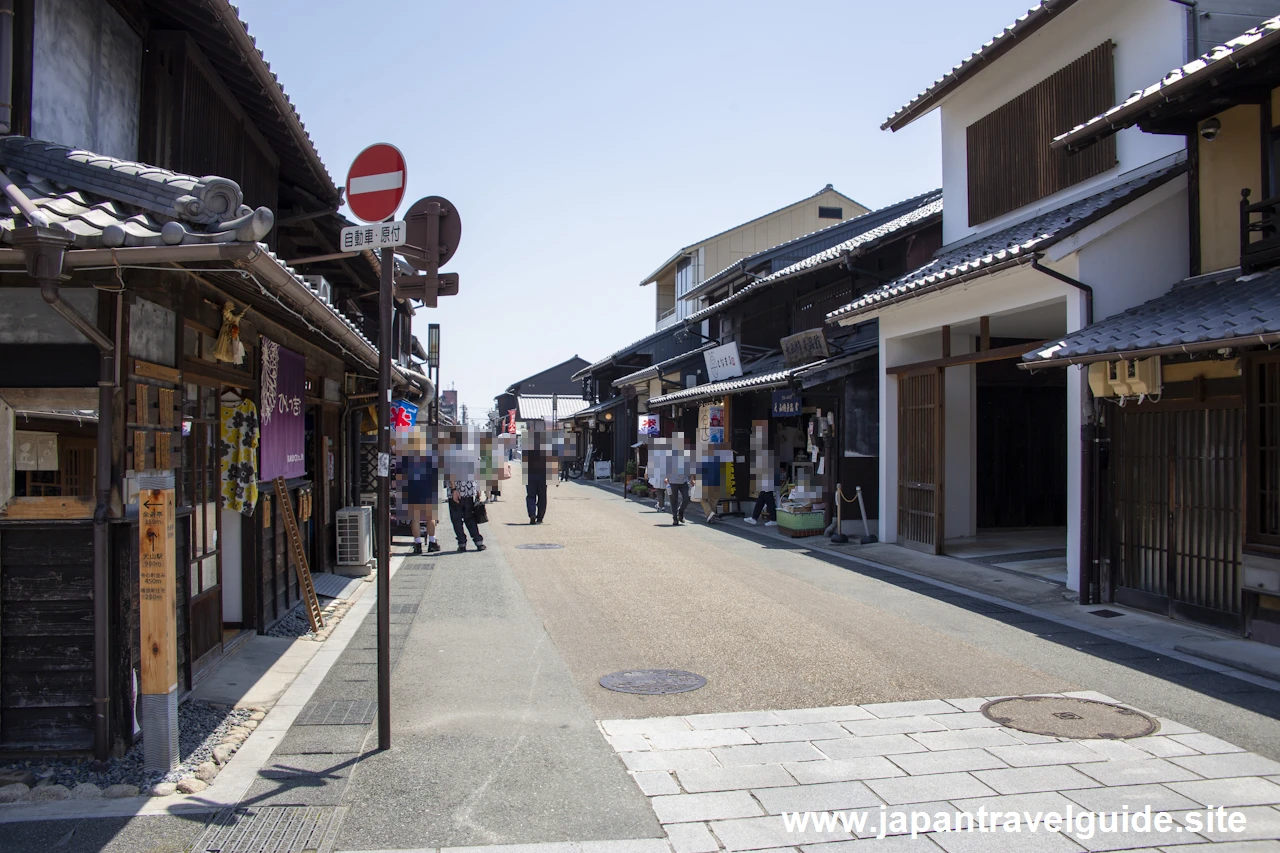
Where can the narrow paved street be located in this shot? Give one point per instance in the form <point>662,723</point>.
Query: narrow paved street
<point>500,723</point>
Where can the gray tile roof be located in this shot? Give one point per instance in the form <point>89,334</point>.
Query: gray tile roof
<point>539,406</point>
<point>930,208</point>
<point>1018,242</point>
<point>823,238</point>
<point>767,372</point>
<point>595,409</point>
<point>105,202</point>
<point>1035,17</point>
<point>1200,71</point>
<point>1198,314</point>
<point>662,366</point>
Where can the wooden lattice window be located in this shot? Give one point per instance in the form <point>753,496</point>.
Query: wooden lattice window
<point>1009,158</point>
<point>1264,447</point>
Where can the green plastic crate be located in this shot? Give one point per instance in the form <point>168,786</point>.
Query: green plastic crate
<point>796,524</point>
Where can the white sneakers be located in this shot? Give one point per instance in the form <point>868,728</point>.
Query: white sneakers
<point>750,520</point>
<point>771,524</point>
<point>711,518</point>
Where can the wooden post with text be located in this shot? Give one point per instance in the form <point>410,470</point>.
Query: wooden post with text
<point>157,621</point>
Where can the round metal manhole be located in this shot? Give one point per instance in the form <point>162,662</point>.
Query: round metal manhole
<point>653,682</point>
<point>1082,719</point>
<point>539,546</point>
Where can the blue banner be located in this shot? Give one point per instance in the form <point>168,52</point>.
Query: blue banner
<point>786,404</point>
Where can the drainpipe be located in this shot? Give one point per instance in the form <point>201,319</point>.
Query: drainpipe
<point>1089,483</point>
<point>44,247</point>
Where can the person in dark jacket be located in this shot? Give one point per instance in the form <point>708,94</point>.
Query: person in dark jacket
<point>535,464</point>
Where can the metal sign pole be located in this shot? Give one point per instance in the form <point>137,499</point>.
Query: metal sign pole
<point>385,305</point>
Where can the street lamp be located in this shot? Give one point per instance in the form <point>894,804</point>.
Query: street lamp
<point>433,366</point>
<point>433,346</point>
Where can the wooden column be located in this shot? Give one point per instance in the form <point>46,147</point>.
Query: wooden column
<point>157,593</point>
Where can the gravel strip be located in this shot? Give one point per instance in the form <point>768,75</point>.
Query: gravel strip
<point>295,625</point>
<point>202,726</point>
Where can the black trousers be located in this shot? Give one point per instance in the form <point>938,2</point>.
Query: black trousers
<point>535,499</point>
<point>679,500</point>
<point>463,511</point>
<point>765,499</point>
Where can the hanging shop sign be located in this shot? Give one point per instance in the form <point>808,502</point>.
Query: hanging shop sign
<point>804,347</point>
<point>282,442</point>
<point>711,422</point>
<point>786,404</point>
<point>403,415</point>
<point>723,362</point>
<point>649,425</point>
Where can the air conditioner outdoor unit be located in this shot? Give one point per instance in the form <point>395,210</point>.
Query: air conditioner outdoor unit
<point>321,286</point>
<point>355,535</point>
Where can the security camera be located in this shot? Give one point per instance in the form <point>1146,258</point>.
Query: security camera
<point>1210,129</point>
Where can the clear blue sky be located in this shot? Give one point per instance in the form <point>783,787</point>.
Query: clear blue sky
<point>585,142</point>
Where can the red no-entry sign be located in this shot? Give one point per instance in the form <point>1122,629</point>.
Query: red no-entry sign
<point>376,182</point>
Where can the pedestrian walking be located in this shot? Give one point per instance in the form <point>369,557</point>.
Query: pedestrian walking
<point>709,471</point>
<point>417,482</point>
<point>461,464</point>
<point>679,474</point>
<point>765,475</point>
<point>536,462</point>
<point>659,458</point>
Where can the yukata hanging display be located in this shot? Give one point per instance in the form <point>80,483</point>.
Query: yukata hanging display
<point>240,456</point>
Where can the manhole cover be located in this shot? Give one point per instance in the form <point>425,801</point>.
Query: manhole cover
<point>1106,614</point>
<point>539,546</point>
<point>653,682</point>
<point>276,829</point>
<point>1054,716</point>
<point>344,712</point>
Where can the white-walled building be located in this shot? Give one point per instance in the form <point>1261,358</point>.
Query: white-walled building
<point>1037,244</point>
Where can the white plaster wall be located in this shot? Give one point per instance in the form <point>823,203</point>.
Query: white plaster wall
<point>86,77</point>
<point>1140,259</point>
<point>1149,37</point>
<point>232,568</point>
<point>961,444</point>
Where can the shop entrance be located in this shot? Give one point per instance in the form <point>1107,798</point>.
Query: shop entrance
<point>1021,447</point>
<point>920,455</point>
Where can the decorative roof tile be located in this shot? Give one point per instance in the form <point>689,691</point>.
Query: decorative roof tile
<point>1197,314</point>
<point>105,202</point>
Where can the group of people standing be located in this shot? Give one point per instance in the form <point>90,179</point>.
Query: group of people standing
<point>673,469</point>
<point>462,458</point>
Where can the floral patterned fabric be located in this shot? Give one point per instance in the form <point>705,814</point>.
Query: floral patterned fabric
<point>240,456</point>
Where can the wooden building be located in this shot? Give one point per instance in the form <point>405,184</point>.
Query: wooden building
<point>1184,510</point>
<point>121,267</point>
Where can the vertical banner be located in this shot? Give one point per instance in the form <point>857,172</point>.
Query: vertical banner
<point>283,435</point>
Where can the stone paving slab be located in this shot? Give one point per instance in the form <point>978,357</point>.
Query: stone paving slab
<point>935,757</point>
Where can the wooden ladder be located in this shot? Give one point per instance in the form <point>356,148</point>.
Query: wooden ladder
<point>299,556</point>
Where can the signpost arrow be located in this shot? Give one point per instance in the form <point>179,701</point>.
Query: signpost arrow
<point>376,182</point>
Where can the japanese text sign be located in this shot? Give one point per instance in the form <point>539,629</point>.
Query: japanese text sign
<point>804,347</point>
<point>282,416</point>
<point>786,404</point>
<point>379,236</point>
<point>723,362</point>
<point>649,425</point>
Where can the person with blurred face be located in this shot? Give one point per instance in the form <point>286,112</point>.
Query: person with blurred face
<point>536,464</point>
<point>461,463</point>
<point>677,478</point>
<point>418,476</point>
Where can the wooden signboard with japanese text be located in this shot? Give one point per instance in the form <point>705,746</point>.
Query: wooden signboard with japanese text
<point>157,590</point>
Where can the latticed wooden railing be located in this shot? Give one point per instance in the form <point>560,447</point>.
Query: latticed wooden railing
<point>1259,232</point>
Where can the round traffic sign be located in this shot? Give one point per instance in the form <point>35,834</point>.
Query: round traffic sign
<point>450,232</point>
<point>376,182</point>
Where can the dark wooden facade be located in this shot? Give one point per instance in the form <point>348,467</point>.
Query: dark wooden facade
<point>1010,163</point>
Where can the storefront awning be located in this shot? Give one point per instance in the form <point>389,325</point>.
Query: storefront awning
<point>771,372</point>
